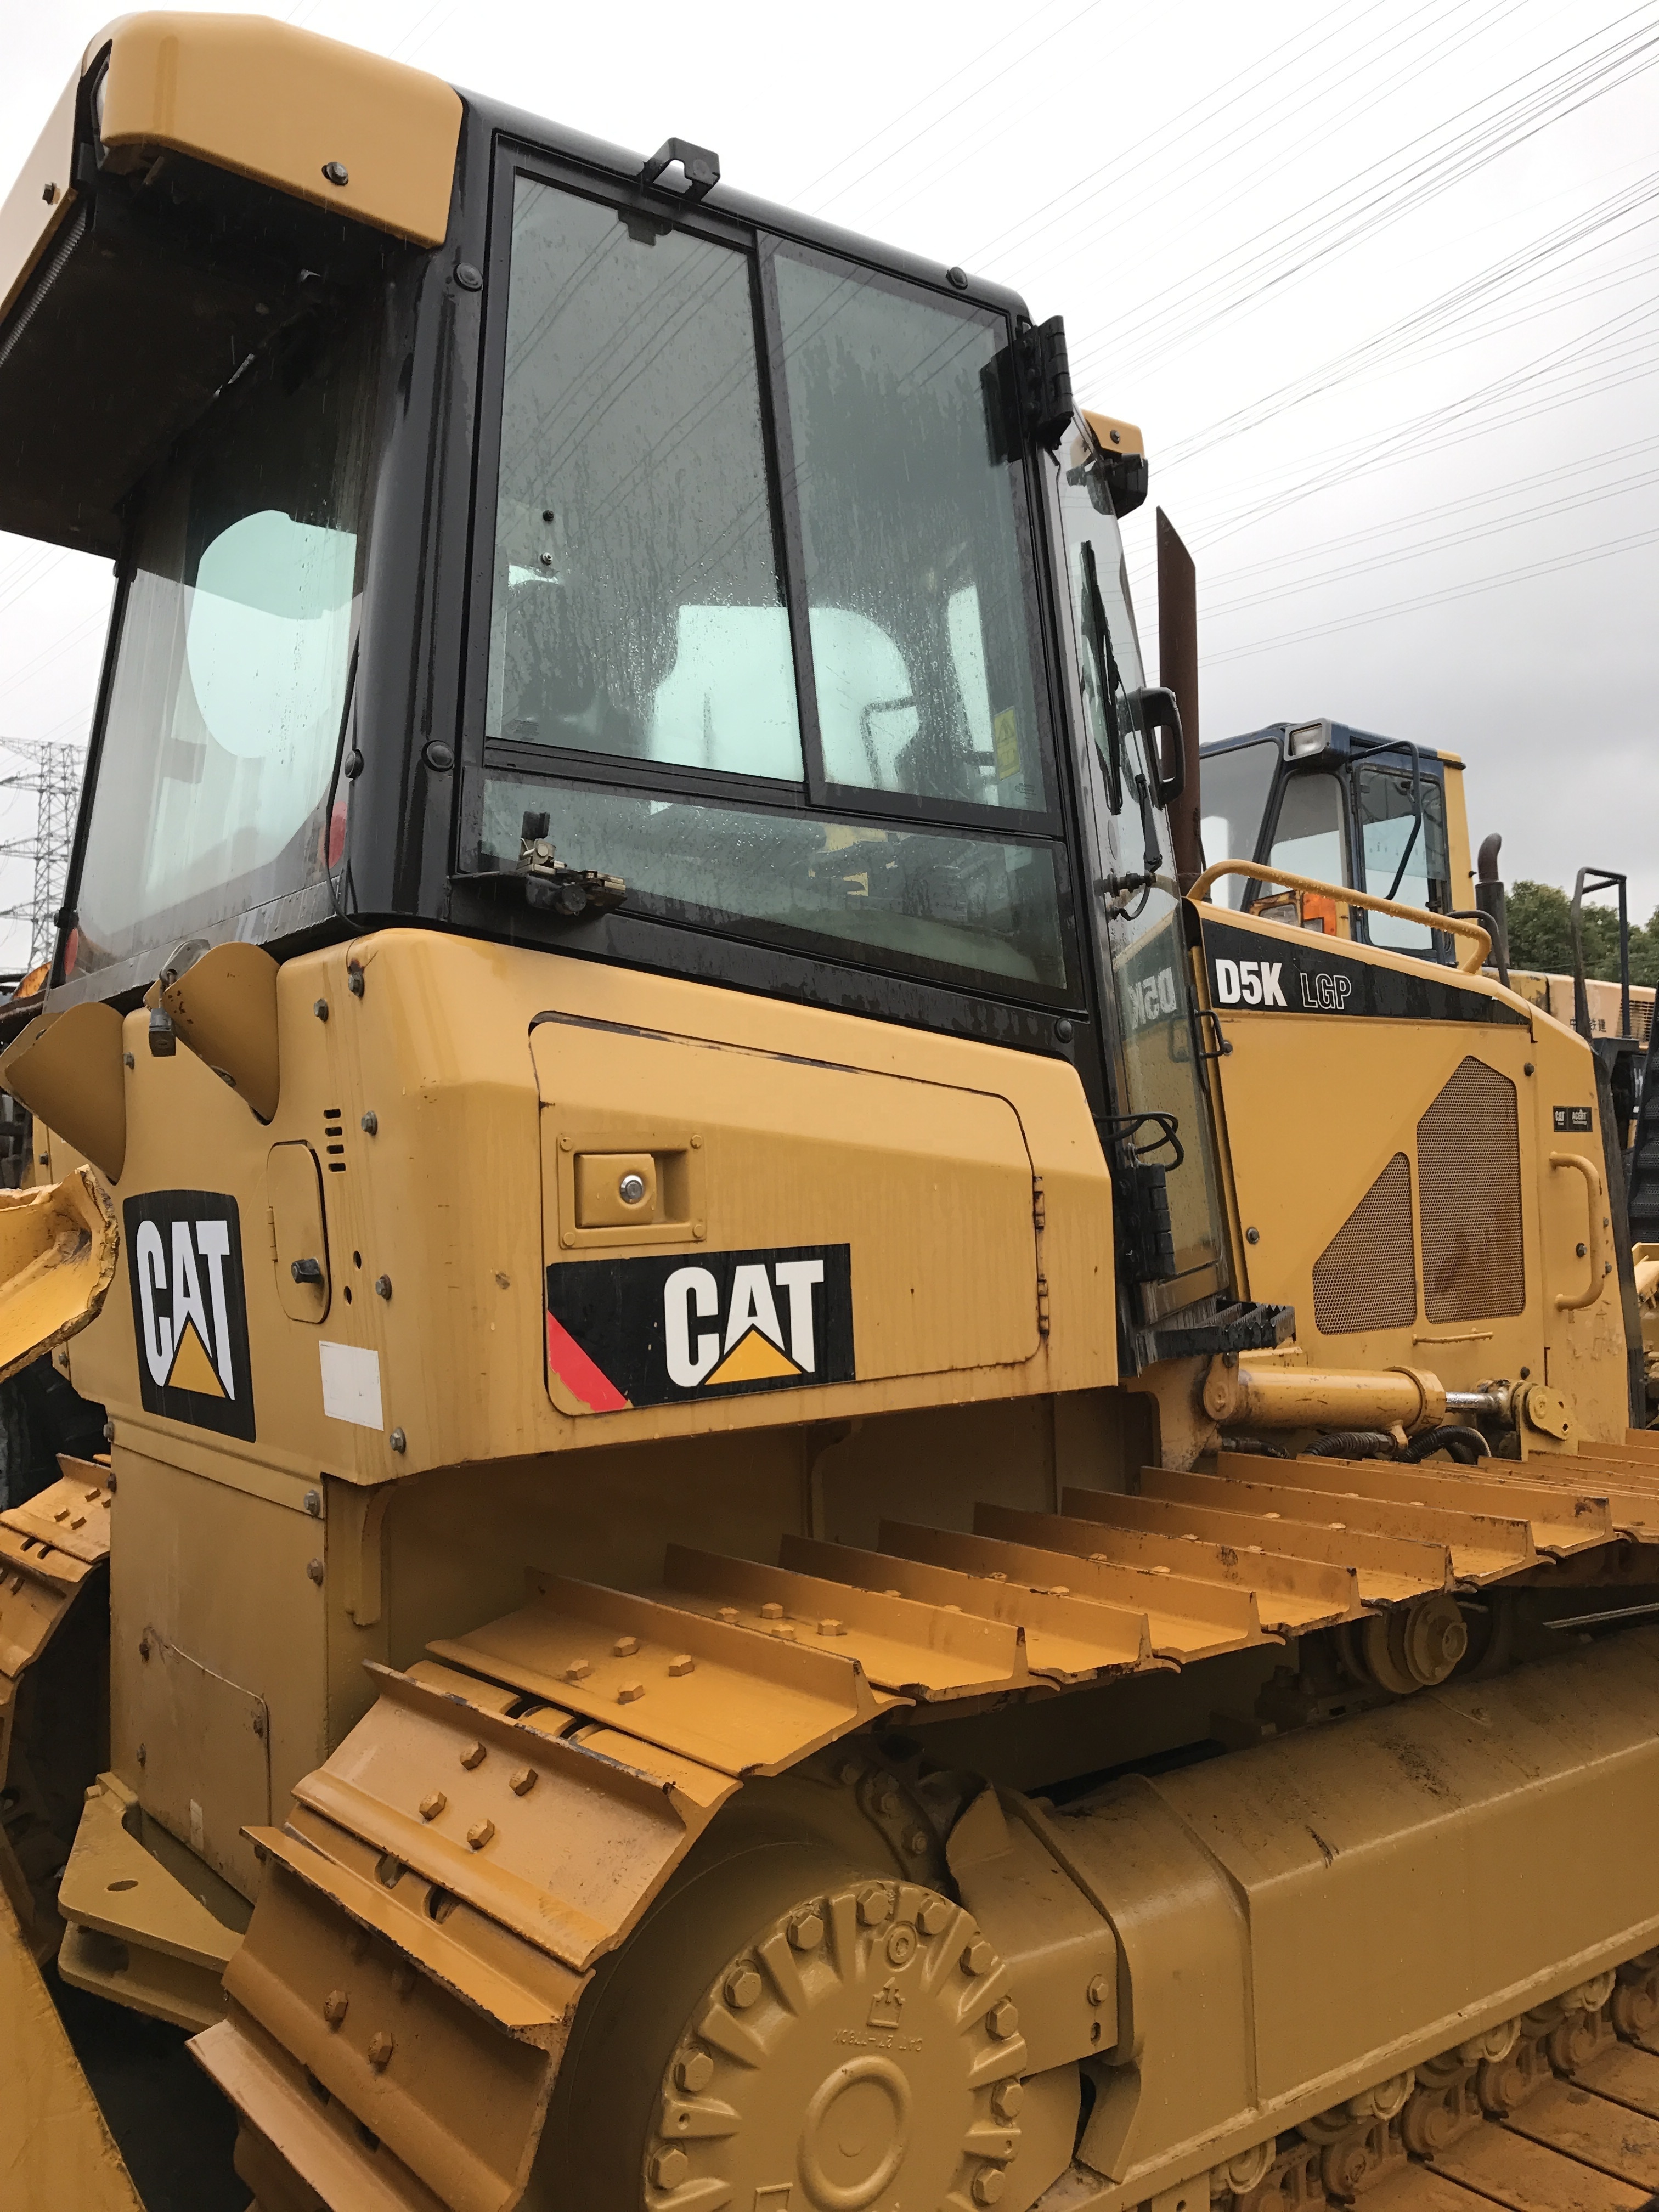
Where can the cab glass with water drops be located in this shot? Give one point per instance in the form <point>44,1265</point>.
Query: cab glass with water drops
<point>762,631</point>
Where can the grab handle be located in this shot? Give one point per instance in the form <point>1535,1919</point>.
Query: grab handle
<point>1595,1249</point>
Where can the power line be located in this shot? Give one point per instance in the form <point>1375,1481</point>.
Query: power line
<point>1375,198</point>
<point>1516,272</point>
<point>1425,547</point>
<point>1609,550</point>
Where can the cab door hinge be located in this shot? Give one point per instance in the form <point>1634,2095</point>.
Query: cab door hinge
<point>1044,372</point>
<point>1039,1203</point>
<point>1043,1306</point>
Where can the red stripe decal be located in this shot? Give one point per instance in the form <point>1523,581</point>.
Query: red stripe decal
<point>578,1373</point>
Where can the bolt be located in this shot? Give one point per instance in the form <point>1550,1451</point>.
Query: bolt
<point>369,1123</point>
<point>313,1503</point>
<point>474,1755</point>
<point>989,2185</point>
<point>1003,2020</point>
<point>521,1781</point>
<point>806,1930</point>
<point>336,172</point>
<point>479,1834</point>
<point>771,1611</point>
<point>353,978</point>
<point>684,1663</point>
<point>128,1060</point>
<point>875,1906</point>
<point>1527,1068</point>
<point>381,2047</point>
<point>626,1646</point>
<point>383,1286</point>
<point>1581,1251</point>
<point>578,1670</point>
<point>399,1441</point>
<point>695,2072</point>
<point>334,2006</point>
<point>902,1945</point>
<point>321,1010</point>
<point>848,1772</point>
<point>1007,2099</point>
<point>669,2168</point>
<point>916,1842</point>
<point>743,1987</point>
<point>979,1958</point>
<point>314,1569</point>
<point>832,1628</point>
<point>934,1915</point>
<point>1252,1235</point>
<point>432,1804</point>
<point>630,1694</point>
<point>143,1754</point>
<point>1099,1990</point>
<point>728,1614</point>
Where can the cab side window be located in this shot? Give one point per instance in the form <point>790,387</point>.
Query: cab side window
<point>1310,837</point>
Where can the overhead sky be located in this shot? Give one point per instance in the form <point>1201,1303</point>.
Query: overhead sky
<point>1377,279</point>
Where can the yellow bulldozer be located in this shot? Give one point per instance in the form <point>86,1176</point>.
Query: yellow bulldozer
<point>813,1501</point>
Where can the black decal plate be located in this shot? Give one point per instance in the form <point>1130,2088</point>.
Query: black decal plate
<point>1574,1121</point>
<point>658,1330</point>
<point>190,1309</point>
<point>1252,972</point>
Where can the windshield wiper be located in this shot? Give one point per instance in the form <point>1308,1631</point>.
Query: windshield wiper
<point>1098,637</point>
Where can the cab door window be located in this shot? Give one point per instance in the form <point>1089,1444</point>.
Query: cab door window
<point>1405,858</point>
<point>1310,838</point>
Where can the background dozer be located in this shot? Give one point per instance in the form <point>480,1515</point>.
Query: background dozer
<point>814,1501</point>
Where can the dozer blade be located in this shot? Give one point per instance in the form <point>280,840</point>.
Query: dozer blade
<point>57,1247</point>
<point>55,2148</point>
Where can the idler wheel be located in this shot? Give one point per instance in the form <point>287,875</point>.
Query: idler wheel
<point>785,2030</point>
<point>861,2050</point>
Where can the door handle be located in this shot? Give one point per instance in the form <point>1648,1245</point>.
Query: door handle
<point>1595,1247</point>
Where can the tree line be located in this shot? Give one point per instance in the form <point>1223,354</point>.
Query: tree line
<point>1540,936</point>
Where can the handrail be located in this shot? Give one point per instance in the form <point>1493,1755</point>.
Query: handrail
<point>1595,1248</point>
<point>1453,924</point>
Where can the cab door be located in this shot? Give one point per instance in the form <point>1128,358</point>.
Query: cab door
<point>1161,1118</point>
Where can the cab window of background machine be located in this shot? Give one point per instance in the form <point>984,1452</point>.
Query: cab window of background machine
<point>1308,836</point>
<point>1388,816</point>
<point>230,675</point>
<point>639,615</point>
<point>1235,787</point>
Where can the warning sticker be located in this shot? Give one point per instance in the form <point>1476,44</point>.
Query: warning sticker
<point>653,1331</point>
<point>189,1309</point>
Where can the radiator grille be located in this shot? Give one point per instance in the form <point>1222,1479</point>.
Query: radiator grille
<point>1366,1276</point>
<point>1469,1179</point>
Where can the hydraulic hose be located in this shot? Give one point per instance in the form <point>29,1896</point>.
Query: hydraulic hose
<point>1352,1444</point>
<point>1467,1446</point>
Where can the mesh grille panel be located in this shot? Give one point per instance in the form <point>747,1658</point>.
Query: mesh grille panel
<point>1366,1276</point>
<point>1469,1179</point>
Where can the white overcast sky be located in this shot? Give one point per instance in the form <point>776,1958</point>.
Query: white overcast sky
<point>1377,279</point>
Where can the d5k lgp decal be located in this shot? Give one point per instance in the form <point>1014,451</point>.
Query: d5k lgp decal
<point>655,1331</point>
<point>189,1309</point>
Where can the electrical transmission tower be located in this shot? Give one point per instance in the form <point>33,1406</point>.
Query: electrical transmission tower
<point>51,774</point>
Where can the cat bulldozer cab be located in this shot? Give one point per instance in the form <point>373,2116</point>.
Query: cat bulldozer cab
<point>813,1500</point>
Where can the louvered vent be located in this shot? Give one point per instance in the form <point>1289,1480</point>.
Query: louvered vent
<point>1468,1180</point>
<point>1366,1276</point>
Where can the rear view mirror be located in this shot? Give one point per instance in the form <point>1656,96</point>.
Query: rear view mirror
<point>1168,760</point>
